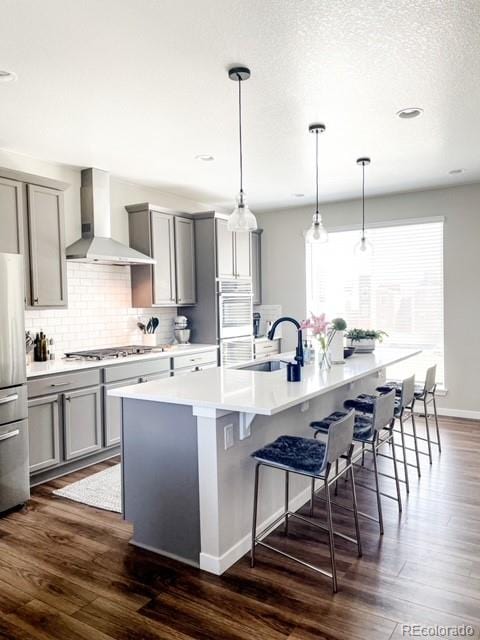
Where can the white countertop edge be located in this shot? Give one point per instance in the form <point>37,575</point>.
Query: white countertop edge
<point>132,392</point>
<point>53,367</point>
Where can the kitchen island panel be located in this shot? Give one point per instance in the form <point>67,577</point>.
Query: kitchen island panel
<point>160,478</point>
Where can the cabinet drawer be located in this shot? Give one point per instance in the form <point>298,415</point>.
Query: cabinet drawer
<point>194,360</point>
<point>135,369</point>
<point>265,347</point>
<point>53,384</point>
<point>13,404</point>
<point>195,368</point>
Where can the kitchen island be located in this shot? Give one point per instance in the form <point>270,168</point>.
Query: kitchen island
<point>186,444</point>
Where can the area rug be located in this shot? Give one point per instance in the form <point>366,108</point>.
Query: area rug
<point>102,490</point>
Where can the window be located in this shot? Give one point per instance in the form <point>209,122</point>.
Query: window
<point>400,290</point>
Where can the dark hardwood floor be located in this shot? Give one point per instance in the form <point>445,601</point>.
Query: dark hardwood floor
<point>67,571</point>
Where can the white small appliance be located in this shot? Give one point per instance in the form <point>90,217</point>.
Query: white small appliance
<point>181,330</point>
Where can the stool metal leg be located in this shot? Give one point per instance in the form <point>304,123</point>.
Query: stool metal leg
<point>395,469</point>
<point>254,518</point>
<point>377,486</point>
<point>355,511</point>
<point>330,536</point>
<point>312,497</point>
<point>415,443</point>
<point>405,461</point>
<point>336,481</point>
<point>286,503</point>
<point>439,442</point>
<point>427,427</point>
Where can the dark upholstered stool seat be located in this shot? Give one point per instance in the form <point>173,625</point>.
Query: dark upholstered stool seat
<point>362,428</point>
<point>365,402</point>
<point>418,393</point>
<point>303,455</point>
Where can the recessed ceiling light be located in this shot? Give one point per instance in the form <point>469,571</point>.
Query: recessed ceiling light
<point>411,112</point>
<point>298,195</point>
<point>206,157</point>
<point>7,76</point>
<point>456,172</point>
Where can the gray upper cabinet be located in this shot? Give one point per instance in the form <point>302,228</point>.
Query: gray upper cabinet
<point>44,432</point>
<point>233,252</point>
<point>48,287</point>
<point>163,250</point>
<point>82,422</point>
<point>243,260</point>
<point>11,216</point>
<point>257,266</point>
<point>185,260</point>
<point>31,223</point>
<point>225,250</point>
<point>169,239</point>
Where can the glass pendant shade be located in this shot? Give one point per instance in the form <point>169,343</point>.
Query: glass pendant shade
<point>241,219</point>
<point>317,234</point>
<point>363,249</point>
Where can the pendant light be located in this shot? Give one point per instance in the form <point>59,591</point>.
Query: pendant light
<point>241,218</point>
<point>317,234</point>
<point>363,248</point>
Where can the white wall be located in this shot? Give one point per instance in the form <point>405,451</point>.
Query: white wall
<point>283,264</point>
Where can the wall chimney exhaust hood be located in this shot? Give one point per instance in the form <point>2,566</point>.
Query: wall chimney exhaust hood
<point>96,244</point>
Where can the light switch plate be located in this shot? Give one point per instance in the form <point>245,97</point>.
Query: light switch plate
<point>228,436</point>
<point>305,406</point>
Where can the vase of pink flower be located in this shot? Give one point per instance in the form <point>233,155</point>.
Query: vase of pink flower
<point>329,336</point>
<point>319,327</point>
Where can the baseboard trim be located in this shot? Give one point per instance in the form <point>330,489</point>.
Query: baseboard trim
<point>219,564</point>
<point>160,552</point>
<point>459,413</point>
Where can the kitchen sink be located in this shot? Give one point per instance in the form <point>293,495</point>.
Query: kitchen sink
<point>266,365</point>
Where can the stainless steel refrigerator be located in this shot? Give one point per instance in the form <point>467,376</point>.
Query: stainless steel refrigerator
<point>14,472</point>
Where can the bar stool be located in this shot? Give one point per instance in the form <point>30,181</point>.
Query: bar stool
<point>368,427</point>
<point>404,404</point>
<point>313,459</point>
<point>426,394</point>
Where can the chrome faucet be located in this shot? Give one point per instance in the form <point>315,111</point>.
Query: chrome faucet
<point>299,349</point>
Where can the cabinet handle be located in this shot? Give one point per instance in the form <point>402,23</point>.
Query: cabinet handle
<point>12,434</point>
<point>35,300</point>
<point>60,384</point>
<point>67,398</point>
<point>7,399</point>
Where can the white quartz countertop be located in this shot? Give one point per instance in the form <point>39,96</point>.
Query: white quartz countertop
<point>265,393</point>
<point>36,369</point>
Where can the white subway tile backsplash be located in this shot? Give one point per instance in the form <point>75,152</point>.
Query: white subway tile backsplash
<point>99,312</point>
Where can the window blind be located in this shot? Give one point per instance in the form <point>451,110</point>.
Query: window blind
<point>399,290</point>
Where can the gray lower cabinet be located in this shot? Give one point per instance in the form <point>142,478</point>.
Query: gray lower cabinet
<point>12,214</point>
<point>48,280</point>
<point>44,432</point>
<point>112,412</point>
<point>82,422</point>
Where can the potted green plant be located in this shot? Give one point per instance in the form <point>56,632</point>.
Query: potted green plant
<point>364,340</point>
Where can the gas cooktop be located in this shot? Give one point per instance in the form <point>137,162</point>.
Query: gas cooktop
<point>112,352</point>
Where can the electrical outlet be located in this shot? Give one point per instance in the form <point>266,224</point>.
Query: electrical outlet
<point>305,406</point>
<point>228,435</point>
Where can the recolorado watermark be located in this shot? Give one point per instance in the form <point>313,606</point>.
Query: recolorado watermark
<point>437,631</point>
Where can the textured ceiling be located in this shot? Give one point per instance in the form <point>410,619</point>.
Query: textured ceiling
<point>139,87</point>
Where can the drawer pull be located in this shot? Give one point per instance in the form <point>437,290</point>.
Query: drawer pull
<point>8,399</point>
<point>60,384</point>
<point>12,434</point>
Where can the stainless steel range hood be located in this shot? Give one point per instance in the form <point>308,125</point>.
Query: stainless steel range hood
<point>96,244</point>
